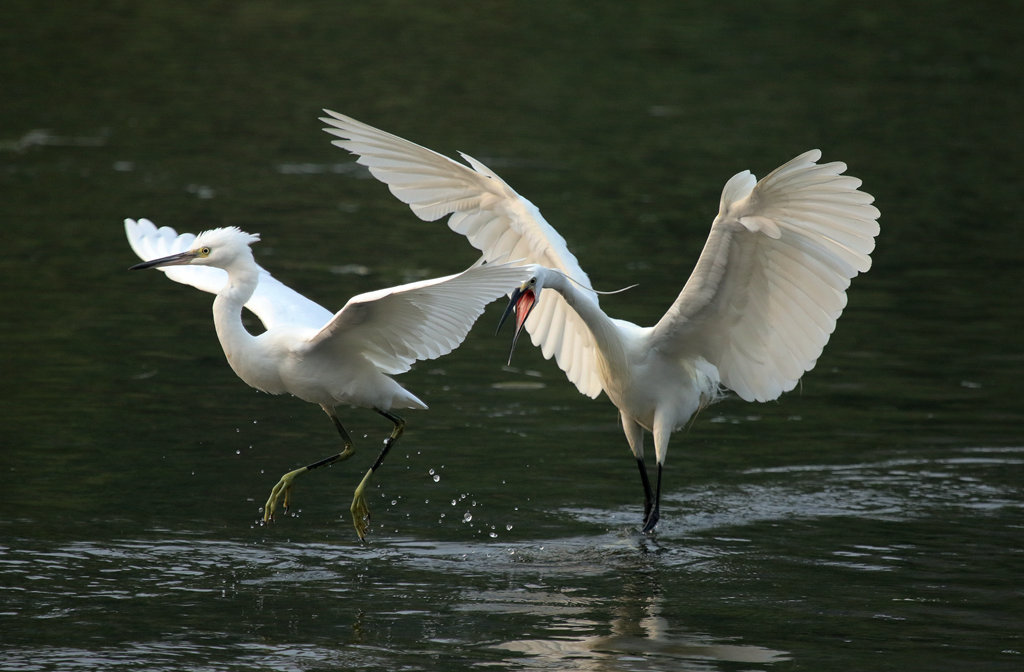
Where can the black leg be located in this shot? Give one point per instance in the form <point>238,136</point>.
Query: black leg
<point>283,489</point>
<point>651,519</point>
<point>646,482</point>
<point>388,442</point>
<point>348,452</point>
<point>360,510</point>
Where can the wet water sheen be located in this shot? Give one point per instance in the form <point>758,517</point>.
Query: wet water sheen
<point>873,519</point>
<point>778,566</point>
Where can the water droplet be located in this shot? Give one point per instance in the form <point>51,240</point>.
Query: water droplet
<point>394,502</point>
<point>454,501</point>
<point>467,516</point>
<point>508,527</point>
<point>437,478</point>
<point>493,535</point>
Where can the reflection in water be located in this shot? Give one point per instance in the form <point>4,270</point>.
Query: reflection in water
<point>792,541</point>
<point>207,589</point>
<point>622,652</point>
<point>639,638</point>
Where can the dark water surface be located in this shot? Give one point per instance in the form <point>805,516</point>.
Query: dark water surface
<point>871,520</point>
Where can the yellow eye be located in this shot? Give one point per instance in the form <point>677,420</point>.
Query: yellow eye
<point>204,251</point>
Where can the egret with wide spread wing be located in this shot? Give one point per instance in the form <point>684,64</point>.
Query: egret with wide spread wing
<point>753,316</point>
<point>323,358</point>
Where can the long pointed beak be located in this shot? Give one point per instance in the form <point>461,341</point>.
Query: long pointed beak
<point>521,303</point>
<point>172,260</point>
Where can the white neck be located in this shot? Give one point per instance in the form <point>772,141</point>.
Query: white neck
<point>227,310</point>
<point>585,303</point>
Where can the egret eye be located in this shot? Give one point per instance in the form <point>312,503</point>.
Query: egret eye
<point>204,251</point>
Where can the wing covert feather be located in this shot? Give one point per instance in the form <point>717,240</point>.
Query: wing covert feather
<point>495,219</point>
<point>397,326</point>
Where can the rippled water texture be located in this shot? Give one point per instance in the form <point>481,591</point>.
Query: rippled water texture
<point>872,519</point>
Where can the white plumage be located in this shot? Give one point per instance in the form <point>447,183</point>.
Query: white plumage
<point>320,357</point>
<point>754,315</point>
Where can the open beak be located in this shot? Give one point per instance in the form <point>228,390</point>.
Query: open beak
<point>173,260</point>
<point>521,303</point>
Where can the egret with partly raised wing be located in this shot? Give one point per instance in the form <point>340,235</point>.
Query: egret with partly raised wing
<point>345,358</point>
<point>754,315</point>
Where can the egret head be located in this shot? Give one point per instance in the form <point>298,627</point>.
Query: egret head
<point>522,302</point>
<point>216,247</point>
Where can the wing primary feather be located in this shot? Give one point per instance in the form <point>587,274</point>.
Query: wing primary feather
<point>495,219</point>
<point>771,281</point>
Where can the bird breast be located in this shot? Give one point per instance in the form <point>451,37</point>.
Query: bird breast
<point>654,384</point>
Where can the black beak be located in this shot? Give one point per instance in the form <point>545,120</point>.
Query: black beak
<point>521,303</point>
<point>172,260</point>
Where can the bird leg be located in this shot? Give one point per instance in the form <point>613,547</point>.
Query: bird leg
<point>652,499</point>
<point>651,514</point>
<point>648,493</point>
<point>283,489</point>
<point>360,510</point>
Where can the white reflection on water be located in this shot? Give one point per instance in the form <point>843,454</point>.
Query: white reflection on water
<point>639,638</point>
<point>629,652</point>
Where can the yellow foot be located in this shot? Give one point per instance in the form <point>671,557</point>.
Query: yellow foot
<point>360,510</point>
<point>283,489</point>
<point>360,516</point>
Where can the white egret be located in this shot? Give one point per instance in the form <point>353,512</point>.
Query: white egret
<point>323,358</point>
<point>753,316</point>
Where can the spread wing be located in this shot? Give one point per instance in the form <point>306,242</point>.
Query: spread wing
<point>397,326</point>
<point>274,303</point>
<point>496,220</point>
<point>771,281</point>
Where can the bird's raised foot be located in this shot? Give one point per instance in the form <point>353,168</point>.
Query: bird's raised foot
<point>360,515</point>
<point>281,491</point>
<point>359,509</point>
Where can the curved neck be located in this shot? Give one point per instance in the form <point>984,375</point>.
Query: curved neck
<point>586,305</point>
<point>227,310</point>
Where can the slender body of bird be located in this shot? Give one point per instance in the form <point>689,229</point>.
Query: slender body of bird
<point>344,358</point>
<point>754,315</point>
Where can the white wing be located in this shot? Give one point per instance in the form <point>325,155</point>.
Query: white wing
<point>496,220</point>
<point>771,282</point>
<point>273,302</point>
<point>397,326</point>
